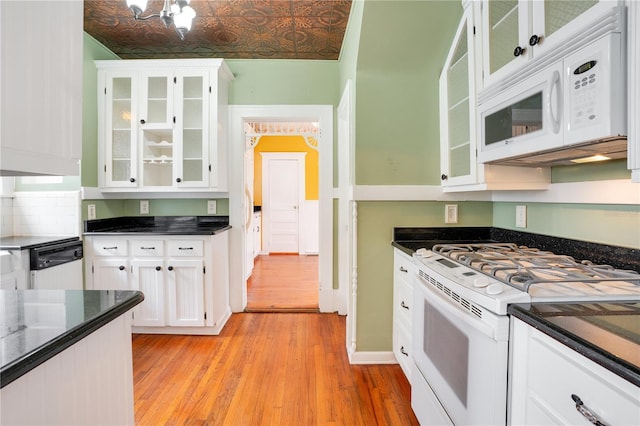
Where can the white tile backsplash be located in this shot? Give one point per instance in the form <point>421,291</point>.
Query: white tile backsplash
<point>46,213</point>
<point>6,220</point>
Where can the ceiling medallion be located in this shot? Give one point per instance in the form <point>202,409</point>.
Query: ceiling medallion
<point>180,14</point>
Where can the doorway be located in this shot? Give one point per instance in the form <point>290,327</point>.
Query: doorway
<point>321,117</point>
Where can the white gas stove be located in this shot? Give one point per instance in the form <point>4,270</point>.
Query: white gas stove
<point>493,275</point>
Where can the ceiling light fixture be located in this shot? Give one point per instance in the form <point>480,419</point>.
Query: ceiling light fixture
<point>180,14</point>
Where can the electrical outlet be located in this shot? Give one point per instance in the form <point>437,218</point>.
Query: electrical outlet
<point>211,206</point>
<point>91,211</point>
<point>144,206</point>
<point>521,216</point>
<point>451,213</point>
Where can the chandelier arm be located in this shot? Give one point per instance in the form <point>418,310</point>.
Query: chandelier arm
<point>144,18</point>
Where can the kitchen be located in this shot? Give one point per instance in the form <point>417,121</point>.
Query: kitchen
<point>397,169</point>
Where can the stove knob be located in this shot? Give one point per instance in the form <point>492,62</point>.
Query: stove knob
<point>494,289</point>
<point>481,282</point>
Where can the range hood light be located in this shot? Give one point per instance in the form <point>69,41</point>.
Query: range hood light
<point>591,159</point>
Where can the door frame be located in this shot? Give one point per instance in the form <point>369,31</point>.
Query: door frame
<point>266,193</point>
<point>238,115</point>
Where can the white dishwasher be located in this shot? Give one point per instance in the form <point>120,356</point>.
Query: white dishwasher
<point>57,266</point>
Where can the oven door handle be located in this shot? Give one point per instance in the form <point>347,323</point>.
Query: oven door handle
<point>441,303</point>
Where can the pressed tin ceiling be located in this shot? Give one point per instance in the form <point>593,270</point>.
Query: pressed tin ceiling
<point>229,29</point>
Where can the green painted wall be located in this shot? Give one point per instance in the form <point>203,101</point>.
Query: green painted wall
<point>376,221</point>
<point>403,45</point>
<point>283,82</point>
<point>607,224</point>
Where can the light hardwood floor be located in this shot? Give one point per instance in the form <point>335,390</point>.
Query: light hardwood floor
<point>265,369</point>
<point>283,282</point>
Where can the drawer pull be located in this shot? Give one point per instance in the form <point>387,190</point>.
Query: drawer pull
<point>403,270</point>
<point>110,248</point>
<point>402,304</point>
<point>147,248</point>
<point>185,248</point>
<point>403,352</point>
<point>585,411</point>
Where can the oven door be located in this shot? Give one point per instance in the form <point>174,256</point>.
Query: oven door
<point>458,354</point>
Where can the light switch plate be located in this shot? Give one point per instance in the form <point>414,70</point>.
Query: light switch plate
<point>451,213</point>
<point>91,211</point>
<point>144,206</point>
<point>521,216</point>
<point>211,206</point>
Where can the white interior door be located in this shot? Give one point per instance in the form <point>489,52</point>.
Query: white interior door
<point>282,196</point>
<point>248,218</point>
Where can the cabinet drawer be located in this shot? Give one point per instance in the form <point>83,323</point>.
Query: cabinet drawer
<point>553,373</point>
<point>404,301</point>
<point>110,248</point>
<point>402,350</point>
<point>185,248</point>
<point>147,248</point>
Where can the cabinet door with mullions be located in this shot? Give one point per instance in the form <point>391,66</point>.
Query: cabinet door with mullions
<point>192,111</point>
<point>120,167</point>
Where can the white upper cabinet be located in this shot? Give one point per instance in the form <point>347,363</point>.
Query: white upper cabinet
<point>159,125</point>
<point>458,126</point>
<point>41,89</point>
<point>516,31</point>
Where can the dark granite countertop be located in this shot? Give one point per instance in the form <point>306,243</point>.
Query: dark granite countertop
<point>161,225</point>
<point>36,325</point>
<point>411,239</point>
<point>606,333</point>
<point>23,242</point>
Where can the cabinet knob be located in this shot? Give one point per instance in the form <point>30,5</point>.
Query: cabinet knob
<point>444,177</point>
<point>142,121</point>
<point>121,267</point>
<point>178,180</point>
<point>535,39</point>
<point>158,268</point>
<point>132,180</point>
<point>518,51</point>
<point>170,268</point>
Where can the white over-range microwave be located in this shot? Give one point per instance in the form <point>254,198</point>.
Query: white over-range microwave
<point>572,109</point>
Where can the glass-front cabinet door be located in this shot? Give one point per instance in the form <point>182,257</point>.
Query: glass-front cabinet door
<point>192,147</point>
<point>156,121</point>
<point>457,108</point>
<point>121,138</point>
<point>515,31</point>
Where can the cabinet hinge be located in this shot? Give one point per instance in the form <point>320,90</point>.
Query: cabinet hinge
<point>209,167</point>
<point>474,30</point>
<point>175,80</point>
<point>204,269</point>
<point>105,168</point>
<point>205,315</point>
<point>92,270</point>
<point>209,89</point>
<point>174,119</point>
<point>105,90</point>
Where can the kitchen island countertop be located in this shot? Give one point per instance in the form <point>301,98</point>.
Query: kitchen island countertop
<point>39,324</point>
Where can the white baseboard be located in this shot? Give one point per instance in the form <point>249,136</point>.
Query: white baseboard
<point>363,357</point>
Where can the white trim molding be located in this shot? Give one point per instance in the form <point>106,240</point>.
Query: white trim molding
<point>370,357</point>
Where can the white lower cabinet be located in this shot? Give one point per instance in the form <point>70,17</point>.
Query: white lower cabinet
<point>545,374</point>
<point>404,271</point>
<point>184,279</point>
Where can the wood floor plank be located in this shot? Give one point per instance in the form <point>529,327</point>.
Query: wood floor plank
<point>283,282</point>
<point>265,369</point>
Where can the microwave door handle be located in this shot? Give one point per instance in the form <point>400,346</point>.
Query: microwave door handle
<point>554,87</point>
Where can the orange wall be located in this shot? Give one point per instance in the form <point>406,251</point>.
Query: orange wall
<point>286,144</point>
